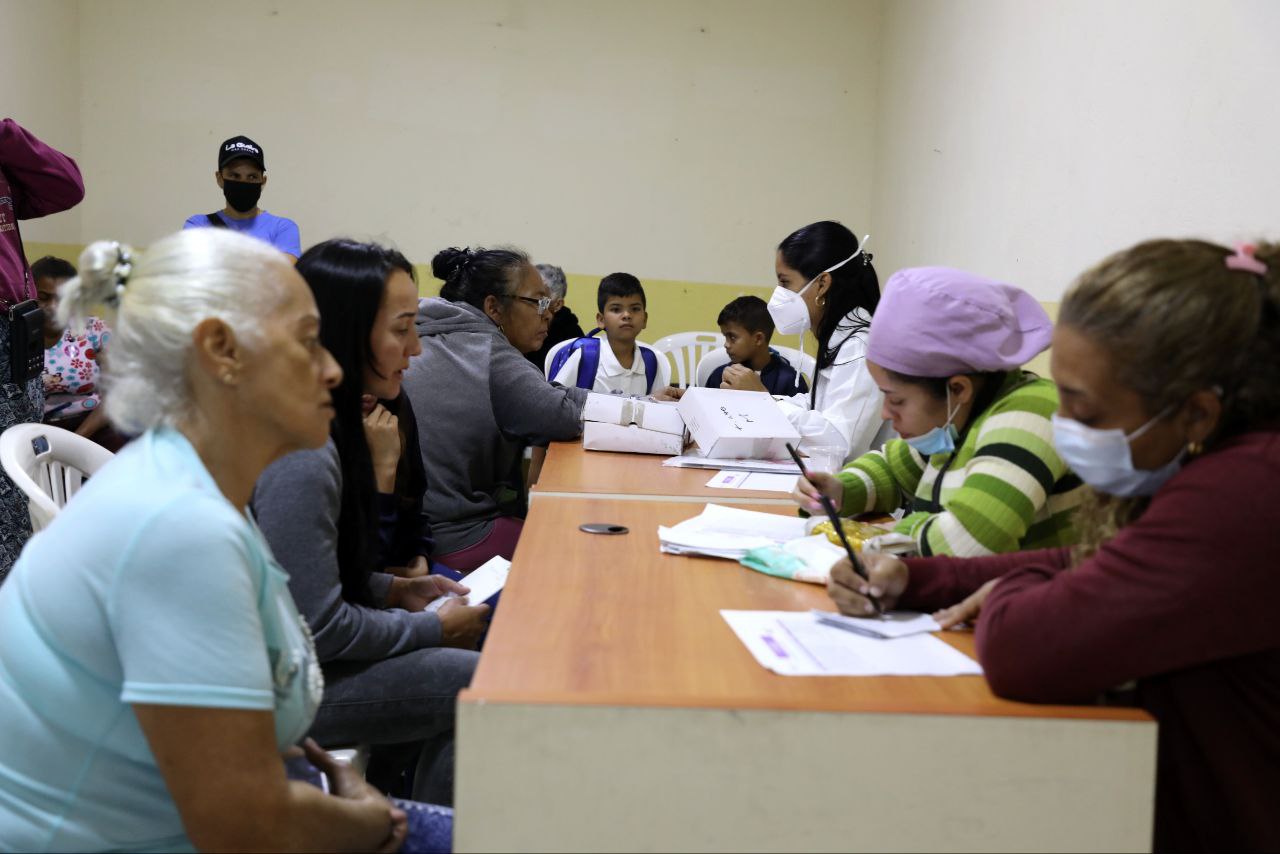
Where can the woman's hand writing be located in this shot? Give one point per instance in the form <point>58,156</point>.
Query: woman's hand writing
<point>850,591</point>
<point>807,491</point>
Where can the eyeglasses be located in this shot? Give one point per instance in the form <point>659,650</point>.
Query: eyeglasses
<point>541,304</point>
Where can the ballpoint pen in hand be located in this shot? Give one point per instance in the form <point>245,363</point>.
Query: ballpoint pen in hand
<point>835,523</point>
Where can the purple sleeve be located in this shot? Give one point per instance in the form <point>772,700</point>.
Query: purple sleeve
<point>942,581</point>
<point>44,181</point>
<point>1175,589</point>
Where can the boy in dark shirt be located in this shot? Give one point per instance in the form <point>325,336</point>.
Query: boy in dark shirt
<point>747,328</point>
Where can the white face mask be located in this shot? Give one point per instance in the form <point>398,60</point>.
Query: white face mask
<point>787,308</point>
<point>1102,458</point>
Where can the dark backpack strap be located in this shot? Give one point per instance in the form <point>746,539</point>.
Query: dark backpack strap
<point>215,220</point>
<point>650,367</point>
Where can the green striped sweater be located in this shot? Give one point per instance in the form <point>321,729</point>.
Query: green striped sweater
<point>1006,490</point>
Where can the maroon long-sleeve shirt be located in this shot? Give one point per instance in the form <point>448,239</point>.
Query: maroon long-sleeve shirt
<point>1186,600</point>
<point>35,181</point>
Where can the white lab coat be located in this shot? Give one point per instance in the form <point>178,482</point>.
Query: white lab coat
<point>848,406</point>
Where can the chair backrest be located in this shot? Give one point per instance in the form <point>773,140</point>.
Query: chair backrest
<point>709,363</point>
<point>686,349</point>
<point>50,465</point>
<point>551,355</point>
<point>800,360</point>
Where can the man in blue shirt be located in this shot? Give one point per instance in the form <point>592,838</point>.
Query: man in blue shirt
<point>241,175</point>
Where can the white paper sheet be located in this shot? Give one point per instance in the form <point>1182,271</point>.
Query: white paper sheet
<point>794,643</point>
<point>729,532</point>
<point>761,481</point>
<point>689,461</point>
<point>486,581</point>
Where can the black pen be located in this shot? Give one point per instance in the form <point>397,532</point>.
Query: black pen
<point>835,523</point>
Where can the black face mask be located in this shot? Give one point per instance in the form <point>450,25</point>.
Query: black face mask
<point>241,195</point>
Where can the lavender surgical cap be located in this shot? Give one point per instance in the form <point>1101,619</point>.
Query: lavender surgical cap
<point>938,322</point>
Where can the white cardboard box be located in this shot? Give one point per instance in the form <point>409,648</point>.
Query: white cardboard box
<point>633,439</point>
<point>736,424</point>
<point>619,423</point>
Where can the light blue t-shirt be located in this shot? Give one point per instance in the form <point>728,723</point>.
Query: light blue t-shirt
<point>149,587</point>
<point>281,232</point>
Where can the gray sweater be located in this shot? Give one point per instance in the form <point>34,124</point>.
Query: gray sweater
<point>296,503</point>
<point>479,403</point>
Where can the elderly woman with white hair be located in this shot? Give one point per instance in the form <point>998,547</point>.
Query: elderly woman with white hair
<point>153,668</point>
<point>564,323</point>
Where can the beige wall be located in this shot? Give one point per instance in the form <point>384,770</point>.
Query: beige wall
<point>40,89</point>
<point>675,140</point>
<point>679,141</point>
<point>1028,139</point>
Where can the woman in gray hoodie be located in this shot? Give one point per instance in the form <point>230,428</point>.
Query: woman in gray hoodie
<point>479,402</point>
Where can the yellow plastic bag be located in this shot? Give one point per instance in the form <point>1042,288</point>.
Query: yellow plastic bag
<point>857,532</point>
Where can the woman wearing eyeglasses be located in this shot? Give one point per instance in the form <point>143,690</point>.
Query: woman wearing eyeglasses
<point>479,402</point>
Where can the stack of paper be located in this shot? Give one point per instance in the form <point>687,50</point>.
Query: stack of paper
<point>728,532</point>
<point>690,461</point>
<point>797,643</point>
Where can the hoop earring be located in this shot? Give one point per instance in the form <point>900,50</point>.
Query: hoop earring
<point>1195,449</point>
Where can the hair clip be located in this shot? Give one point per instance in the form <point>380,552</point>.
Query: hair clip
<point>120,274</point>
<point>1244,261</point>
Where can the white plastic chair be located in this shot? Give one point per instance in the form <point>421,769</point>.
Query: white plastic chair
<point>50,465</point>
<point>707,364</point>
<point>800,360</point>
<point>551,355</point>
<point>686,349</point>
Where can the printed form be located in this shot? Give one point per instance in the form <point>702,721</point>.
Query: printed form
<point>798,643</point>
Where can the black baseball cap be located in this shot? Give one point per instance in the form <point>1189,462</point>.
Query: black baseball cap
<point>238,147</point>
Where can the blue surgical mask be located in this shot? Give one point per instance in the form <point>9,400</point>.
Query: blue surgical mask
<point>939,440</point>
<point>1102,458</point>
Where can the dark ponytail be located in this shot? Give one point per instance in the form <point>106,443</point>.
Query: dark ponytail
<point>471,275</point>
<point>814,248</point>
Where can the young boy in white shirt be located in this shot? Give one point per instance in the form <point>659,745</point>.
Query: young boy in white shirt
<point>619,364</point>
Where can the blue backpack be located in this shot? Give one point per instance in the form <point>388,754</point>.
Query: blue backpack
<point>590,363</point>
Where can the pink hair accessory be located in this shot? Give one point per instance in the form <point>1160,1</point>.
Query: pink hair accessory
<point>1243,260</point>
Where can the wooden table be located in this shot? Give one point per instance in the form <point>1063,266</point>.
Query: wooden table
<point>614,709</point>
<point>570,470</point>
